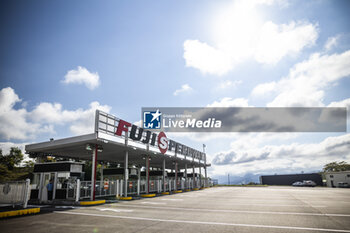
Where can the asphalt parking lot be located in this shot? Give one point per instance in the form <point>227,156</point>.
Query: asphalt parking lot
<point>221,209</point>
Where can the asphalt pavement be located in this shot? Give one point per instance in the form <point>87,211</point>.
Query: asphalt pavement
<point>220,209</point>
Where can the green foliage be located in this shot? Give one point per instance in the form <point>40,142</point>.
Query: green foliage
<point>13,159</point>
<point>336,167</point>
<point>9,166</point>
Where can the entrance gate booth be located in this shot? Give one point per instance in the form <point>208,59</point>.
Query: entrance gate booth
<point>117,141</point>
<point>54,181</point>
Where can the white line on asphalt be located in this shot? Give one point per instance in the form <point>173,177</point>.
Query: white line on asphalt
<point>153,203</point>
<point>237,211</point>
<point>114,210</point>
<point>250,204</point>
<point>242,204</point>
<point>207,223</point>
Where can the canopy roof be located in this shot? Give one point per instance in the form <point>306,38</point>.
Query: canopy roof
<point>112,151</point>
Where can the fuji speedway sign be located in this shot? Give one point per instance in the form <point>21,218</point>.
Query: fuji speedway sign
<point>147,137</point>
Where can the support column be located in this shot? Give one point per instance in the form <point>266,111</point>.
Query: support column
<point>147,174</point>
<point>205,170</point>
<point>175,176</point>
<point>54,187</point>
<point>93,173</point>
<point>194,178</point>
<point>138,180</point>
<point>205,167</point>
<point>126,173</point>
<point>164,186</point>
<point>200,176</point>
<point>186,180</point>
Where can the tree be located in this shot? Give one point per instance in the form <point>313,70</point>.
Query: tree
<point>9,165</point>
<point>13,159</point>
<point>336,167</point>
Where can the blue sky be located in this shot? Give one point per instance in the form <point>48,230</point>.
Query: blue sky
<point>135,54</point>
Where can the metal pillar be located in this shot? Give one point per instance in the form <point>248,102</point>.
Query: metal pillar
<point>126,173</point>
<point>186,180</point>
<point>194,177</point>
<point>200,176</point>
<point>147,174</point>
<point>54,187</point>
<point>164,186</point>
<point>205,166</point>
<point>138,180</point>
<point>93,173</point>
<point>175,176</point>
<point>206,176</point>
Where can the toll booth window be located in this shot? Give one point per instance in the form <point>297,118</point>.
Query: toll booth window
<point>35,182</point>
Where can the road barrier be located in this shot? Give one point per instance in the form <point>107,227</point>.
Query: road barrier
<point>14,193</point>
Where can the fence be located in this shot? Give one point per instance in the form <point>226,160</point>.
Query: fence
<point>82,189</point>
<point>15,193</point>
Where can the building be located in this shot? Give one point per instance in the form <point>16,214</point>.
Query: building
<point>289,179</point>
<point>338,179</point>
<point>134,149</point>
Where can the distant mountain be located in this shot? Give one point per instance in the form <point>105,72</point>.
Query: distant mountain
<point>245,179</point>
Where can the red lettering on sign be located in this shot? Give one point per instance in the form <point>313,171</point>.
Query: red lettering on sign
<point>122,126</point>
<point>162,142</point>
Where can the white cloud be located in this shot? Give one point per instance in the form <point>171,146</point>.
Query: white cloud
<point>278,41</point>
<point>239,34</point>
<point>205,58</point>
<point>82,76</point>
<point>263,89</point>
<point>14,124</point>
<point>184,89</point>
<point>331,42</point>
<point>6,147</point>
<point>229,102</point>
<point>19,124</point>
<point>342,103</point>
<point>307,81</point>
<point>287,158</point>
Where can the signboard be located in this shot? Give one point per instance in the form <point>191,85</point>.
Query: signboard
<point>111,125</point>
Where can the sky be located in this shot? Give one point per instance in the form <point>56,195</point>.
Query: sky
<point>62,60</point>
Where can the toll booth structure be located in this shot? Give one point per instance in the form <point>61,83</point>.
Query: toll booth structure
<point>117,141</point>
<point>55,181</point>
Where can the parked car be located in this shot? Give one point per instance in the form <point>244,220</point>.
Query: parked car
<point>298,183</point>
<point>309,183</point>
<point>305,183</point>
<point>343,185</point>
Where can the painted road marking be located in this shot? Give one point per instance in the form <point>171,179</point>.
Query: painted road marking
<point>243,204</point>
<point>238,211</point>
<point>207,223</point>
<point>153,203</point>
<point>68,207</point>
<point>115,210</point>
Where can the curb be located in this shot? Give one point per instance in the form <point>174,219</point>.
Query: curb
<point>165,193</point>
<point>195,189</point>
<point>148,195</point>
<point>13,213</point>
<point>187,190</point>
<point>92,202</point>
<point>125,198</point>
<point>178,191</point>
